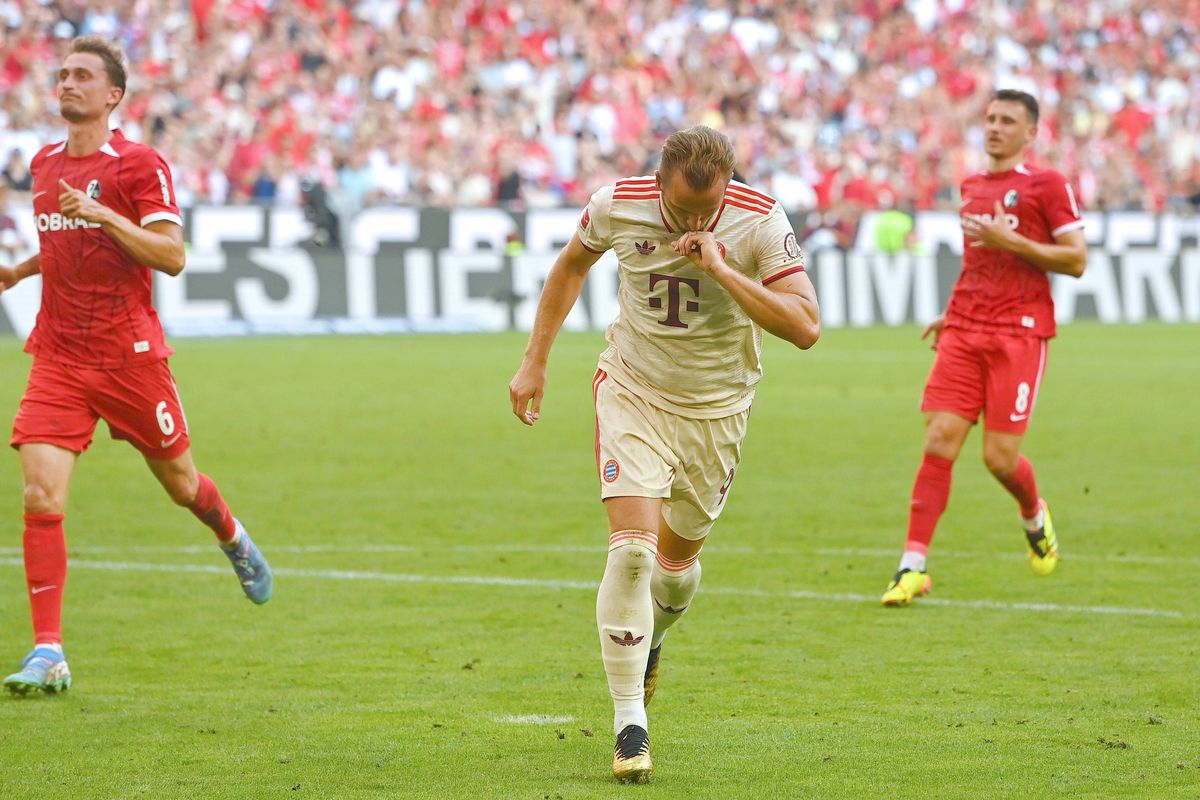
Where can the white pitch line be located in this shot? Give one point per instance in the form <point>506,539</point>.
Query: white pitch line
<point>839,552</point>
<point>535,719</point>
<point>544,583</point>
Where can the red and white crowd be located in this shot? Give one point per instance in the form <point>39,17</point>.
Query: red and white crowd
<point>836,105</point>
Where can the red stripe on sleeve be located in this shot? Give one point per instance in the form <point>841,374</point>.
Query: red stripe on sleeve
<point>783,274</point>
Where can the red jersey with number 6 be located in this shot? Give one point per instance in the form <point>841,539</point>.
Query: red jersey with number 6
<point>998,291</point>
<point>96,298</point>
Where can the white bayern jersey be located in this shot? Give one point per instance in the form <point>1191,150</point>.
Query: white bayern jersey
<point>680,341</point>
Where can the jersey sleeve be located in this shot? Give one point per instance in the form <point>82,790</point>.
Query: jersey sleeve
<point>595,226</point>
<point>1060,204</point>
<point>151,191</point>
<point>776,250</point>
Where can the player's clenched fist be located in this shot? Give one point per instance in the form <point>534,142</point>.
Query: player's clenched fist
<point>8,277</point>
<point>701,247</point>
<point>526,390</point>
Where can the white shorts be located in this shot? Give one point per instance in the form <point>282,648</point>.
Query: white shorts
<point>643,451</point>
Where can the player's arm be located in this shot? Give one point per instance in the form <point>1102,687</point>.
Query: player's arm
<point>562,289</point>
<point>787,308</point>
<point>1066,255</point>
<point>159,245</point>
<point>11,276</point>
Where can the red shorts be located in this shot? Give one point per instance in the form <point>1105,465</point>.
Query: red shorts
<point>995,374</point>
<point>140,404</point>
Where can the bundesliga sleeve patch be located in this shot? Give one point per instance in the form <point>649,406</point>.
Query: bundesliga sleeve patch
<point>790,246</point>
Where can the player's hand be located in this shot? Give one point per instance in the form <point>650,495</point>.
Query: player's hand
<point>8,278</point>
<point>935,327</point>
<point>701,247</point>
<point>993,232</point>
<point>76,204</point>
<point>526,390</point>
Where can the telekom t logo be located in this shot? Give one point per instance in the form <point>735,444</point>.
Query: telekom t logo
<point>673,282</point>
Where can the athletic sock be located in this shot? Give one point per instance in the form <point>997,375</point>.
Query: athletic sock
<point>209,507</point>
<point>930,493</point>
<point>673,584</point>
<point>913,560</point>
<point>45,574</point>
<point>625,618</point>
<point>1022,485</point>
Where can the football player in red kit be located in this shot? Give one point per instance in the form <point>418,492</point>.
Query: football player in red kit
<point>1019,225</point>
<point>106,216</point>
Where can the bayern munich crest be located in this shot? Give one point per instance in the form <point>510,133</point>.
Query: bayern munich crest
<point>611,470</point>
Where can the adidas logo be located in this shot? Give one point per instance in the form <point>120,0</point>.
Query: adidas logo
<point>645,248</point>
<point>628,641</point>
<point>669,609</point>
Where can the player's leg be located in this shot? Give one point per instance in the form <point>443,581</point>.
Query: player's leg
<point>953,398</point>
<point>1015,374</point>
<point>54,424</point>
<point>192,489</point>
<point>673,584</point>
<point>625,619</point>
<point>710,451</point>
<point>632,462</point>
<point>945,433</point>
<point>142,407</point>
<point>47,471</point>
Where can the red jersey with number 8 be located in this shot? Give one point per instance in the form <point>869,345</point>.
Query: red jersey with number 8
<point>998,291</point>
<point>96,298</point>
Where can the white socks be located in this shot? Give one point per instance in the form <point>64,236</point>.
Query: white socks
<point>913,560</point>
<point>625,617</point>
<point>1035,524</point>
<point>672,585</point>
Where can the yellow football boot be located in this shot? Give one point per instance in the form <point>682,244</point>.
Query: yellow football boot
<point>650,682</point>
<point>631,756</point>
<point>1043,545</point>
<point>906,585</point>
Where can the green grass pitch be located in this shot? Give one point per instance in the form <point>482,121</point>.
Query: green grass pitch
<point>432,631</point>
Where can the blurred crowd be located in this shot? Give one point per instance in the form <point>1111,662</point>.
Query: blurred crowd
<point>833,105</point>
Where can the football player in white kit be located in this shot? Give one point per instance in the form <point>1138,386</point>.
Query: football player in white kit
<point>706,264</point>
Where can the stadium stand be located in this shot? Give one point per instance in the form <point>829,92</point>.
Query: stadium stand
<point>840,106</point>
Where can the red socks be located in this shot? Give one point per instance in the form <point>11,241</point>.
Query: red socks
<point>1023,486</point>
<point>45,574</point>
<point>930,493</point>
<point>209,507</point>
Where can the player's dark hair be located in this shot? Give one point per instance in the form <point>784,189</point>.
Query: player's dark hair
<point>1024,98</point>
<point>112,56</point>
<point>702,154</point>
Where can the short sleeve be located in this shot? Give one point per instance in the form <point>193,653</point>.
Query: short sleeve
<point>151,190</point>
<point>1060,204</point>
<point>595,226</point>
<point>776,250</point>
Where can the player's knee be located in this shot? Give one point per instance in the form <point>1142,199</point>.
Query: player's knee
<point>939,443</point>
<point>1000,463</point>
<point>632,561</point>
<point>672,585</point>
<point>42,499</point>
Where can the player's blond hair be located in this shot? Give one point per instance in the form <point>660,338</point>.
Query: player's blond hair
<point>111,54</point>
<point>702,155</point>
